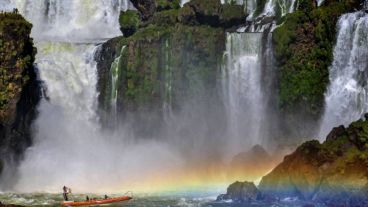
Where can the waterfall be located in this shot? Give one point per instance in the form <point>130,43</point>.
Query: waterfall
<point>346,98</point>
<point>319,2</point>
<point>114,84</point>
<point>69,148</point>
<point>70,19</point>
<point>284,7</point>
<point>242,88</point>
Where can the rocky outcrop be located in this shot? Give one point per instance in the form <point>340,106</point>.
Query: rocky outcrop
<point>332,173</point>
<point>241,192</point>
<point>166,61</point>
<point>19,87</point>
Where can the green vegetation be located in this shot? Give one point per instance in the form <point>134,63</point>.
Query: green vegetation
<point>129,22</point>
<point>321,172</point>
<point>342,145</point>
<point>175,53</point>
<point>164,18</point>
<point>167,4</point>
<point>16,59</point>
<point>303,47</point>
<point>158,55</point>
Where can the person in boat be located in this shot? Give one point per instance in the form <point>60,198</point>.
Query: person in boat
<point>106,197</point>
<point>87,198</point>
<point>65,193</point>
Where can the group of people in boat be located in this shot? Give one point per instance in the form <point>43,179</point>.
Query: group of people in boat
<point>93,199</point>
<point>67,190</point>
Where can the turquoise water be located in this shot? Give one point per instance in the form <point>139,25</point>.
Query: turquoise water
<point>46,199</point>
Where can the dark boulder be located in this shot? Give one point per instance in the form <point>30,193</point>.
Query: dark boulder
<point>241,192</point>
<point>335,133</point>
<point>145,7</point>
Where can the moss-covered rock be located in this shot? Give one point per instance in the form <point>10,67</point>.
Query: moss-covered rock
<point>17,56</point>
<point>154,50</point>
<point>129,22</point>
<point>19,88</point>
<point>162,64</point>
<point>303,47</point>
<point>164,18</point>
<point>325,172</point>
<point>175,55</point>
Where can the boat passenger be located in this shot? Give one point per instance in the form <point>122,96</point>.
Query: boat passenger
<point>106,197</point>
<point>87,198</point>
<point>65,193</point>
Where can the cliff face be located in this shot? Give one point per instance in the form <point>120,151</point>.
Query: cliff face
<point>19,87</point>
<point>165,60</point>
<point>333,172</point>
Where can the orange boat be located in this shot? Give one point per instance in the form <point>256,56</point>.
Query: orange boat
<point>96,202</point>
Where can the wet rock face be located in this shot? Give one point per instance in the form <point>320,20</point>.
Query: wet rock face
<point>19,88</point>
<point>241,192</point>
<point>333,172</point>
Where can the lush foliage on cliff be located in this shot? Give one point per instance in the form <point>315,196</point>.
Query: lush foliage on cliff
<point>303,50</point>
<point>16,59</point>
<point>172,54</point>
<point>324,172</point>
<point>129,22</point>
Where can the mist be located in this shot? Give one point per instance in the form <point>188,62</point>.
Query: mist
<point>191,144</point>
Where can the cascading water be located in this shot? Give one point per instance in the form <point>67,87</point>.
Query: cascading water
<point>69,147</point>
<point>114,84</point>
<point>285,6</point>
<point>242,88</point>
<point>69,19</point>
<point>347,95</point>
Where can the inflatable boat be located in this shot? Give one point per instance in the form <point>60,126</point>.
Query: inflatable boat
<point>96,202</point>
